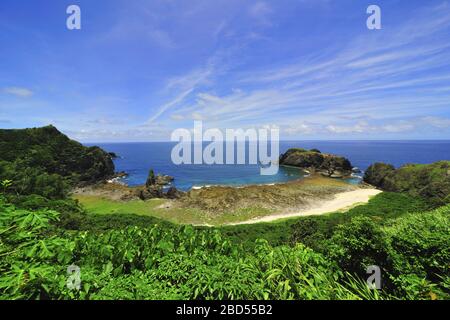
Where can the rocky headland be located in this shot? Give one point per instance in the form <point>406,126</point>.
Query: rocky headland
<point>428,181</point>
<point>46,151</point>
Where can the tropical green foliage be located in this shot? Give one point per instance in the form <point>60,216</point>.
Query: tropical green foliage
<point>413,251</point>
<point>419,249</point>
<point>164,263</point>
<point>431,182</point>
<point>30,258</point>
<point>181,262</point>
<point>43,161</point>
<point>71,217</point>
<point>313,230</point>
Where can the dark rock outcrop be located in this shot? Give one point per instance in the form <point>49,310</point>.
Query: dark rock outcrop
<point>163,180</point>
<point>314,161</point>
<point>121,174</point>
<point>174,193</point>
<point>157,180</point>
<point>151,192</point>
<point>154,187</point>
<point>113,155</point>
<point>151,179</point>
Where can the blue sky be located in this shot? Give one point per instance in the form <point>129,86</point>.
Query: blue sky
<point>139,69</point>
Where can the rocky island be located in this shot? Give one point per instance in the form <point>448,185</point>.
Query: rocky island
<point>154,187</point>
<point>314,161</point>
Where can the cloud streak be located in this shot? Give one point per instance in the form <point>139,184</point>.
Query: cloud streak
<point>400,74</point>
<point>18,92</point>
<point>309,67</point>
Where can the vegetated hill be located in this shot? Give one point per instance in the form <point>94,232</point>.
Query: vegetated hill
<point>39,158</point>
<point>430,181</point>
<point>313,160</point>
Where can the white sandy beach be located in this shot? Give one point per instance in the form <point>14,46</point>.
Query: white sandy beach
<point>340,202</point>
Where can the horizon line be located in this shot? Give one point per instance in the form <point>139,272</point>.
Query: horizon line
<point>288,140</point>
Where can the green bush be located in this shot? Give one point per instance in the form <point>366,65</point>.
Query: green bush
<point>377,173</point>
<point>314,230</point>
<point>419,245</point>
<point>71,217</point>
<point>357,245</point>
<point>27,180</point>
<point>412,251</point>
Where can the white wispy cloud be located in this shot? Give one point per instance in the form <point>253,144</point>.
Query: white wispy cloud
<point>184,86</point>
<point>18,91</point>
<point>442,123</point>
<point>386,76</point>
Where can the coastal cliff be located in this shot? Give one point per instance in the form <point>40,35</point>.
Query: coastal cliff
<point>55,153</point>
<point>428,181</point>
<point>47,162</point>
<point>316,162</point>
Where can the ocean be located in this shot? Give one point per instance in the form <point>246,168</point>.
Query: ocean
<point>137,158</point>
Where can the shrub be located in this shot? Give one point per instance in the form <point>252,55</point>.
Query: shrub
<point>420,244</point>
<point>357,245</point>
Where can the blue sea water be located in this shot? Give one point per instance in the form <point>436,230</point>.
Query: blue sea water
<point>137,158</point>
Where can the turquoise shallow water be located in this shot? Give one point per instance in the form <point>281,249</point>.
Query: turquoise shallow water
<point>137,158</point>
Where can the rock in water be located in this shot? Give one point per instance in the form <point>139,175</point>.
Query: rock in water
<point>157,180</point>
<point>154,187</point>
<point>356,170</point>
<point>151,180</point>
<point>113,155</point>
<point>163,180</point>
<point>326,164</point>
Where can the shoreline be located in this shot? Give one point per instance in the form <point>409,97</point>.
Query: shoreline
<point>118,178</point>
<point>341,201</point>
<point>231,205</point>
